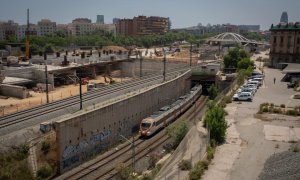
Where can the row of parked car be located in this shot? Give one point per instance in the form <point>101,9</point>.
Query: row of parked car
<point>247,91</point>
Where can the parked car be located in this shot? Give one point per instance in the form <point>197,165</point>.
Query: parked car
<point>243,96</point>
<point>250,86</point>
<point>291,84</point>
<point>254,73</point>
<point>257,83</point>
<point>242,89</point>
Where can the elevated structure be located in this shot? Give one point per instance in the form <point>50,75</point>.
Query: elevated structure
<point>229,38</point>
<point>284,17</point>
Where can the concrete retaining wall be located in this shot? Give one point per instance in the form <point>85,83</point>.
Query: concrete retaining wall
<point>89,133</point>
<point>14,91</point>
<point>132,69</point>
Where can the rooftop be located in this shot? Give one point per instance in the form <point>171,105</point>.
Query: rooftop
<point>286,26</point>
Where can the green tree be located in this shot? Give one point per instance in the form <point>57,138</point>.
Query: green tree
<point>234,56</point>
<point>212,91</point>
<point>49,48</point>
<point>245,63</point>
<point>215,121</point>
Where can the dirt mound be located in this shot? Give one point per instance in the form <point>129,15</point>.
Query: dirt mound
<point>114,48</point>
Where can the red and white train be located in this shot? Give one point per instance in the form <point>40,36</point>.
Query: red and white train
<point>167,114</point>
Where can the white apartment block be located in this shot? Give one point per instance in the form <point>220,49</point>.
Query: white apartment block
<point>106,28</point>
<point>46,27</point>
<point>80,27</point>
<point>21,33</point>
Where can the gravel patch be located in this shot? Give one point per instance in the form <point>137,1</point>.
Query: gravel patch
<point>285,165</point>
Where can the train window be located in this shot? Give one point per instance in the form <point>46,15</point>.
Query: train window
<point>146,125</point>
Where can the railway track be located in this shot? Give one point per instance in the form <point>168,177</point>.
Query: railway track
<point>69,102</point>
<point>104,167</point>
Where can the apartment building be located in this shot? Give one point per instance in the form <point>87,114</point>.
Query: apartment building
<point>8,29</point>
<point>46,27</point>
<point>21,33</point>
<point>104,28</point>
<point>285,44</point>
<point>125,27</point>
<point>80,27</point>
<point>143,25</point>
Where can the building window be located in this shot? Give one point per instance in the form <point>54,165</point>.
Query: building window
<point>298,40</point>
<point>289,42</point>
<point>274,40</point>
<point>281,39</point>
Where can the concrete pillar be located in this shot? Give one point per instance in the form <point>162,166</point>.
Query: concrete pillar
<point>94,72</point>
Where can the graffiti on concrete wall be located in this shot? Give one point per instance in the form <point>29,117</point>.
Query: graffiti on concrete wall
<point>71,153</point>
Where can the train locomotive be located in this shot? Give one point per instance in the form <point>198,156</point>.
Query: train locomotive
<point>167,114</point>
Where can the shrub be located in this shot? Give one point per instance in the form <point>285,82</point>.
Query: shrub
<point>123,172</point>
<point>185,165</point>
<point>292,112</point>
<point>265,109</point>
<point>45,171</point>
<point>210,152</point>
<point>198,170</point>
<point>227,99</point>
<point>277,110</point>
<point>177,132</point>
<point>282,105</point>
<point>272,104</point>
<point>45,147</point>
<point>22,152</point>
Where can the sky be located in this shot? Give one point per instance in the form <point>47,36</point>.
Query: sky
<point>183,13</point>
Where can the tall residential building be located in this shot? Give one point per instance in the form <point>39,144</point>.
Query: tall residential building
<point>33,31</point>
<point>143,25</point>
<point>285,44</point>
<point>125,27</point>
<point>80,26</point>
<point>100,19</point>
<point>116,20</point>
<point>8,29</point>
<point>284,17</point>
<point>46,27</point>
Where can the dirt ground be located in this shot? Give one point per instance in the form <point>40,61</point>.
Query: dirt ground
<point>12,105</point>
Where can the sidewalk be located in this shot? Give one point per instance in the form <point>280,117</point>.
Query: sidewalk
<point>227,153</point>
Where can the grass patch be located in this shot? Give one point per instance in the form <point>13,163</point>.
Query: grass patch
<point>185,165</point>
<point>14,165</point>
<point>198,170</point>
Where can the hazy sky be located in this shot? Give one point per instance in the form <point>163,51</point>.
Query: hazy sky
<point>183,13</point>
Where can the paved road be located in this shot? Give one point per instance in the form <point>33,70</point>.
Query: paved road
<point>255,149</point>
<point>246,149</point>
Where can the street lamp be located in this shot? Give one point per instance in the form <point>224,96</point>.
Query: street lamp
<point>132,147</point>
<point>165,61</point>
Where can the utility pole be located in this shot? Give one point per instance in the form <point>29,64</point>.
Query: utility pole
<point>191,55</point>
<point>80,93</point>
<point>165,62</point>
<point>46,75</point>
<point>133,149</point>
<point>27,37</point>
<point>141,65</point>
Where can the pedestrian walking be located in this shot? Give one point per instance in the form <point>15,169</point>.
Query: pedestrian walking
<point>274,80</point>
